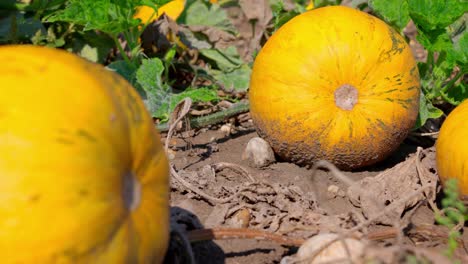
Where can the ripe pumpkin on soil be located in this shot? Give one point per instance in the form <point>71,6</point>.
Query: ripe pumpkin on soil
<point>334,83</point>
<point>452,148</point>
<point>84,178</point>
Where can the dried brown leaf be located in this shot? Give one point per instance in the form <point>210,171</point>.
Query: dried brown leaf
<point>373,194</point>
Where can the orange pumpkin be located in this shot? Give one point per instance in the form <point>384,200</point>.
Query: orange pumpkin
<point>172,9</point>
<point>335,83</point>
<point>452,148</point>
<point>83,172</point>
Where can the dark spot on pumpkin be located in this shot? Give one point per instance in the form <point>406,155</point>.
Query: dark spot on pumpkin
<point>405,103</point>
<point>34,198</point>
<point>390,91</point>
<point>64,141</point>
<point>414,71</point>
<point>398,45</point>
<point>86,135</point>
<point>381,124</point>
<point>83,192</point>
<point>346,97</point>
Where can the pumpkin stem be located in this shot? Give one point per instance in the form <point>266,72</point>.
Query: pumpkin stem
<point>131,191</point>
<point>346,96</point>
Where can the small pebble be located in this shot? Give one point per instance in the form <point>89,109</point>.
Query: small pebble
<point>171,154</point>
<point>333,191</point>
<point>240,219</point>
<point>226,129</point>
<point>258,153</point>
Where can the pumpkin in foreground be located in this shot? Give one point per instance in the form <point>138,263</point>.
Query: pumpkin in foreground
<point>452,148</point>
<point>84,178</point>
<point>335,83</point>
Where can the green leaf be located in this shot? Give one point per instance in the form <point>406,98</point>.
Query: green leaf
<point>435,40</point>
<point>237,80</point>
<point>126,70</point>
<point>18,27</point>
<point>458,93</point>
<point>28,5</point>
<point>199,14</point>
<point>148,77</point>
<point>225,60</point>
<point>426,111</point>
<point>188,38</point>
<point>91,46</point>
<point>203,94</point>
<point>435,14</point>
<point>109,16</point>
<point>394,12</point>
<point>460,50</point>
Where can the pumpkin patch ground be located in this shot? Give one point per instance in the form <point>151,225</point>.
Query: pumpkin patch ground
<point>229,199</point>
<point>286,199</point>
<point>234,198</point>
<point>296,203</point>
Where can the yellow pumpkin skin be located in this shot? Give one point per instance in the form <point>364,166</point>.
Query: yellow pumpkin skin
<point>452,148</point>
<point>84,175</point>
<point>172,9</point>
<point>334,83</point>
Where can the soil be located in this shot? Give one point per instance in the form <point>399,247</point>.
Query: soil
<point>194,151</point>
<point>220,189</point>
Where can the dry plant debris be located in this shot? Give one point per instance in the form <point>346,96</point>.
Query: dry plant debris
<point>373,194</point>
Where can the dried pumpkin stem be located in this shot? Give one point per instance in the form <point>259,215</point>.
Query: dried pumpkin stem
<point>346,97</point>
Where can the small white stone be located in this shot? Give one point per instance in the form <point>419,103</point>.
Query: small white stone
<point>332,253</point>
<point>171,154</point>
<point>226,129</point>
<point>333,189</point>
<point>258,153</point>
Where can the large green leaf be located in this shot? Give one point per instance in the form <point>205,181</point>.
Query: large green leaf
<point>435,14</point>
<point>237,80</point>
<point>158,94</point>
<point>199,14</point>
<point>394,12</point>
<point>225,60</point>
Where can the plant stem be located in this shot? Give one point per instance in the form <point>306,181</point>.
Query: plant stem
<point>214,118</point>
<point>452,81</point>
<point>121,50</point>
